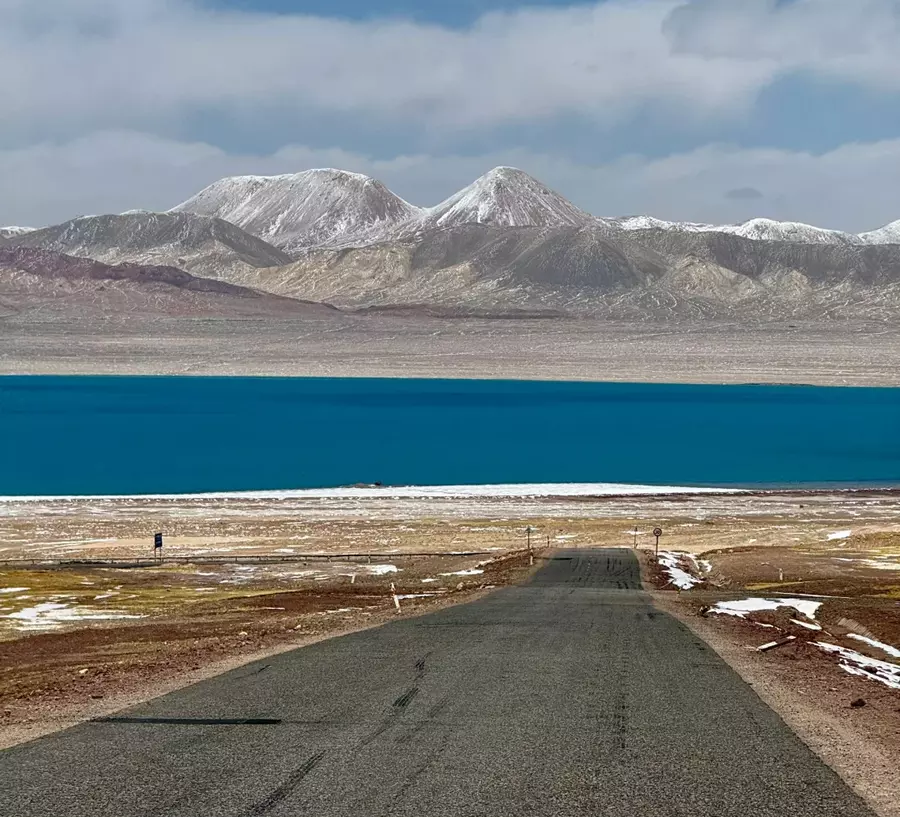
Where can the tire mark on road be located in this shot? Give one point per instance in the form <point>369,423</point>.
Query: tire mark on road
<point>405,699</point>
<point>284,791</point>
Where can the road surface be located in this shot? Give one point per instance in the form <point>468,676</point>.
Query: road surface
<point>570,695</point>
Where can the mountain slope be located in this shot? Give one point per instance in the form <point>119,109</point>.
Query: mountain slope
<point>590,270</point>
<point>205,246</point>
<point>889,234</point>
<point>473,267</point>
<point>42,281</point>
<point>765,229</point>
<point>822,264</point>
<point>14,232</point>
<point>316,208</point>
<point>505,197</point>
<point>758,229</point>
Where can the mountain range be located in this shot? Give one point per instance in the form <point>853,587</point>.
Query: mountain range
<point>505,243</point>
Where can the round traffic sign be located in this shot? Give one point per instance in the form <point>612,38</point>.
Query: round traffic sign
<point>657,531</point>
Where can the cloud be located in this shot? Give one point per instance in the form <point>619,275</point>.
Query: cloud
<point>857,41</point>
<point>852,188</point>
<point>743,194</point>
<point>72,66</point>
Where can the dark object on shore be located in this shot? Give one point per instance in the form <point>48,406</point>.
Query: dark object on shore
<point>858,703</point>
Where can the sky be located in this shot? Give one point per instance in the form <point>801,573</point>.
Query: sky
<point>697,110</point>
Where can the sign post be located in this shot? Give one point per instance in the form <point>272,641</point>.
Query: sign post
<point>157,545</point>
<point>530,553</point>
<point>657,532</point>
<point>635,537</point>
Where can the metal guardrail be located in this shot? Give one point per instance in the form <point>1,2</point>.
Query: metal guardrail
<point>243,559</point>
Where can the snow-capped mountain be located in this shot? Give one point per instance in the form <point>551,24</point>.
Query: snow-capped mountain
<point>765,229</point>
<point>757,229</point>
<point>651,223</point>
<point>889,234</point>
<point>316,208</point>
<point>506,197</point>
<point>13,232</point>
<point>335,209</point>
<point>506,240</point>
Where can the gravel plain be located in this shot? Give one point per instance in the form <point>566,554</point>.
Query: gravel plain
<point>346,345</point>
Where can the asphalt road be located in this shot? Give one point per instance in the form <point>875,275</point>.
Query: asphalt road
<point>570,695</point>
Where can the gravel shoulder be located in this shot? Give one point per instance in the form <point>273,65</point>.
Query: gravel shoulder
<point>563,696</point>
<point>807,688</point>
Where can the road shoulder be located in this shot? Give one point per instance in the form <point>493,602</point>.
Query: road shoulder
<point>858,744</point>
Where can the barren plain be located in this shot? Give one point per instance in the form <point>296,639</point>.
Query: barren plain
<point>414,344</point>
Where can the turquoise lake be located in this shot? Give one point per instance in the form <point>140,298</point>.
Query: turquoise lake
<point>136,435</point>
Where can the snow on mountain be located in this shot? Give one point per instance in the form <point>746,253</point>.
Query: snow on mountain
<point>765,229</point>
<point>335,209</point>
<point>889,234</point>
<point>12,232</point>
<point>506,197</point>
<point>315,208</point>
<point>757,229</point>
<point>650,223</point>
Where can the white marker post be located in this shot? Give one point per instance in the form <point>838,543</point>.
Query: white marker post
<point>396,597</point>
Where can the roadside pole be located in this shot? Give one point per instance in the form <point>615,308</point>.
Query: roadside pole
<point>530,552</point>
<point>657,532</point>
<point>635,537</point>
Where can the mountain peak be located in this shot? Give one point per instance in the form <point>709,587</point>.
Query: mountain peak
<point>767,229</point>
<point>506,172</point>
<point>889,234</point>
<point>323,207</point>
<point>507,197</point>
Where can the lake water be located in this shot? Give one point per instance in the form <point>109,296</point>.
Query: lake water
<point>137,435</point>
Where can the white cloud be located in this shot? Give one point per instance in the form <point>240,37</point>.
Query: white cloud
<point>853,187</point>
<point>92,64</point>
<point>852,40</point>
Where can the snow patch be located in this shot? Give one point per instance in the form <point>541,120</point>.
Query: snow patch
<point>840,534</point>
<point>381,570</point>
<point>807,624</point>
<point>878,645</point>
<point>858,664</point>
<point>55,614</point>
<point>678,575</point>
<point>741,607</point>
